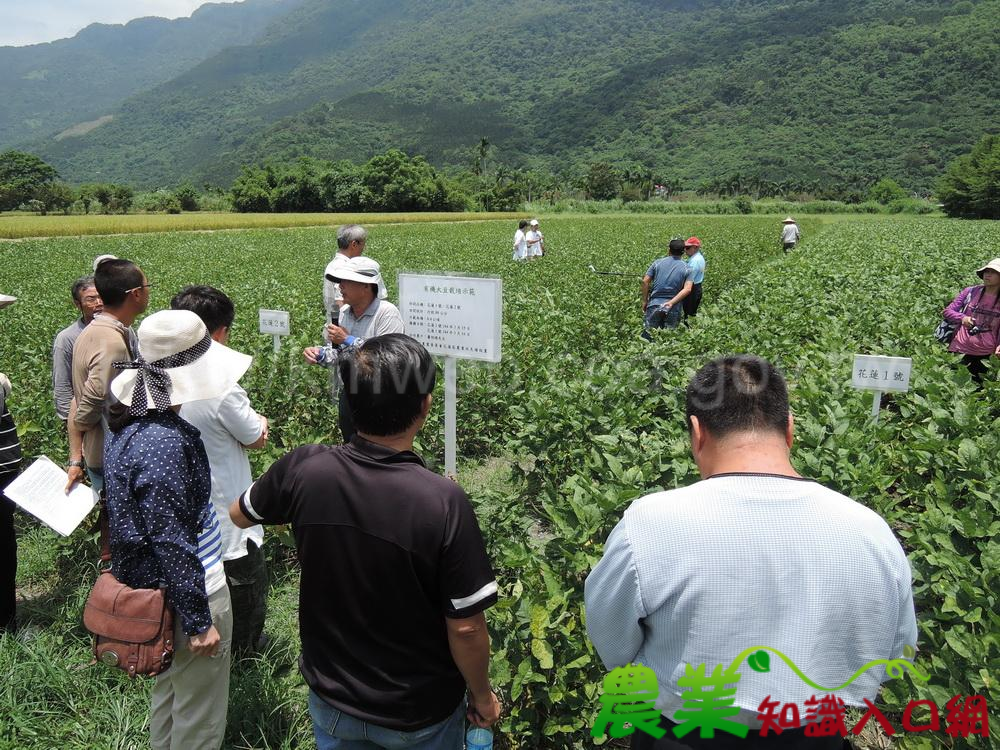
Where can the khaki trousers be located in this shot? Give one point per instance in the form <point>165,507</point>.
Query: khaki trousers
<point>191,699</point>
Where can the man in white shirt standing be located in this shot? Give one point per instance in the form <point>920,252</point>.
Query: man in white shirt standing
<point>520,241</point>
<point>229,426</point>
<point>752,556</point>
<point>351,240</point>
<point>534,240</point>
<point>790,233</point>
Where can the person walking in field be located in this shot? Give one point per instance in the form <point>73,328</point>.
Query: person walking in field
<point>976,314</point>
<point>691,577</point>
<point>229,427</point>
<point>696,263</point>
<point>520,241</point>
<point>395,574</point>
<point>790,233</point>
<point>163,529</point>
<point>88,302</point>
<point>534,240</point>
<point>666,283</point>
<point>10,464</point>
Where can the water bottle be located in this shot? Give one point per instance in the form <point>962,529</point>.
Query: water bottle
<point>478,738</point>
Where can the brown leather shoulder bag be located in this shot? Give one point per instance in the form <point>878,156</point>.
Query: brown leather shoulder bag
<point>133,629</point>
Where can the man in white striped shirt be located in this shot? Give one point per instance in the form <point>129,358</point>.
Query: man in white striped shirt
<point>754,555</point>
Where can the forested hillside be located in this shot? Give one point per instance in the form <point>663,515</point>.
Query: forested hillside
<point>688,89</point>
<point>46,88</point>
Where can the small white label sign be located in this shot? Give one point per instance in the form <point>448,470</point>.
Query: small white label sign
<point>274,322</point>
<point>881,373</point>
<point>453,316</point>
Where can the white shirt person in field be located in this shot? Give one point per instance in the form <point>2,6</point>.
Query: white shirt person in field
<point>365,314</point>
<point>790,233</point>
<point>754,555</point>
<point>534,240</point>
<point>229,427</point>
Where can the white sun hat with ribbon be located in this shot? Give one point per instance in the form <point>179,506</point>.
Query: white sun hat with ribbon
<point>178,362</point>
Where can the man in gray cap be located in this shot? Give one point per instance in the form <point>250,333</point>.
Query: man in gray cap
<point>365,314</point>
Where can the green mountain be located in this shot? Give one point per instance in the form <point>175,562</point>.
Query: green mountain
<point>809,90</point>
<point>47,88</point>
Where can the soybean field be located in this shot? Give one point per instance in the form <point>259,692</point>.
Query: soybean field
<point>581,417</point>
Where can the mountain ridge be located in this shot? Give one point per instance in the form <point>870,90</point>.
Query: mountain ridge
<point>690,89</point>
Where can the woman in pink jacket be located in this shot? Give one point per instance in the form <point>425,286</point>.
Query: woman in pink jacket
<point>976,313</point>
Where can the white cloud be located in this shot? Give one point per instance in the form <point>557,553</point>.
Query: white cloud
<point>46,20</point>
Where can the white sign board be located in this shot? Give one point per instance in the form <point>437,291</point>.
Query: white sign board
<point>881,373</point>
<point>453,316</point>
<point>274,322</point>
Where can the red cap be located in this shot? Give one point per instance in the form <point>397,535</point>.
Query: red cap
<point>692,242</point>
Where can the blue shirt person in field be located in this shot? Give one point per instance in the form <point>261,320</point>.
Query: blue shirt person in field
<point>667,282</point>
<point>696,263</point>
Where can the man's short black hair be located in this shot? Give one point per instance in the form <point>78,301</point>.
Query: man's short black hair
<point>81,284</point>
<point>214,308</point>
<point>385,383</point>
<point>114,278</point>
<point>522,223</point>
<point>738,393</point>
<point>676,246</point>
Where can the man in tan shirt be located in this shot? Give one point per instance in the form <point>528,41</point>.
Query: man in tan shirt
<point>108,339</point>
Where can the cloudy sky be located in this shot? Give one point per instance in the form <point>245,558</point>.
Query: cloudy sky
<point>34,21</point>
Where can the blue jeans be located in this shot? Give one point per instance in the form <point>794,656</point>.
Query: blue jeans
<point>657,317</point>
<point>336,730</point>
<point>96,477</point>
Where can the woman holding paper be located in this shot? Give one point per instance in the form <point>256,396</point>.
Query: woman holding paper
<point>10,462</point>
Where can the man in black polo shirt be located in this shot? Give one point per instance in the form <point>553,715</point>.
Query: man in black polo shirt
<point>395,576</point>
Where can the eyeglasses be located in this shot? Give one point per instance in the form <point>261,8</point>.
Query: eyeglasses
<point>141,286</point>
<point>91,299</point>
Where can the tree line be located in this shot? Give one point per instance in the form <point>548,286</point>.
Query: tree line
<point>397,182</point>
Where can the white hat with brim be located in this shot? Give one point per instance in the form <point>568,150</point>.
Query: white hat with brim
<point>363,270</point>
<point>6,299</point>
<point>101,258</point>
<point>788,220</point>
<point>533,223</point>
<point>993,265</point>
<point>173,333</point>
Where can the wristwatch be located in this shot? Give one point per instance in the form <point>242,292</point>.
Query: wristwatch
<point>76,464</point>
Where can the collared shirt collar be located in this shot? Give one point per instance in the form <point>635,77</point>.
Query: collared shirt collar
<point>381,452</point>
<point>370,310</point>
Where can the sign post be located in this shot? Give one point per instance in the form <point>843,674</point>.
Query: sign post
<point>881,374</point>
<point>275,323</point>
<point>456,317</point>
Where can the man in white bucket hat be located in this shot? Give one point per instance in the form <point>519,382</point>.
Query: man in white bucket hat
<point>163,529</point>
<point>365,314</point>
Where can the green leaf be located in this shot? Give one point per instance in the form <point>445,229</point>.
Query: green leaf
<point>542,651</point>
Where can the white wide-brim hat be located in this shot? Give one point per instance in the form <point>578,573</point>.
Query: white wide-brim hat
<point>364,270</point>
<point>101,258</point>
<point>175,336</point>
<point>788,220</point>
<point>6,299</point>
<point>993,265</point>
